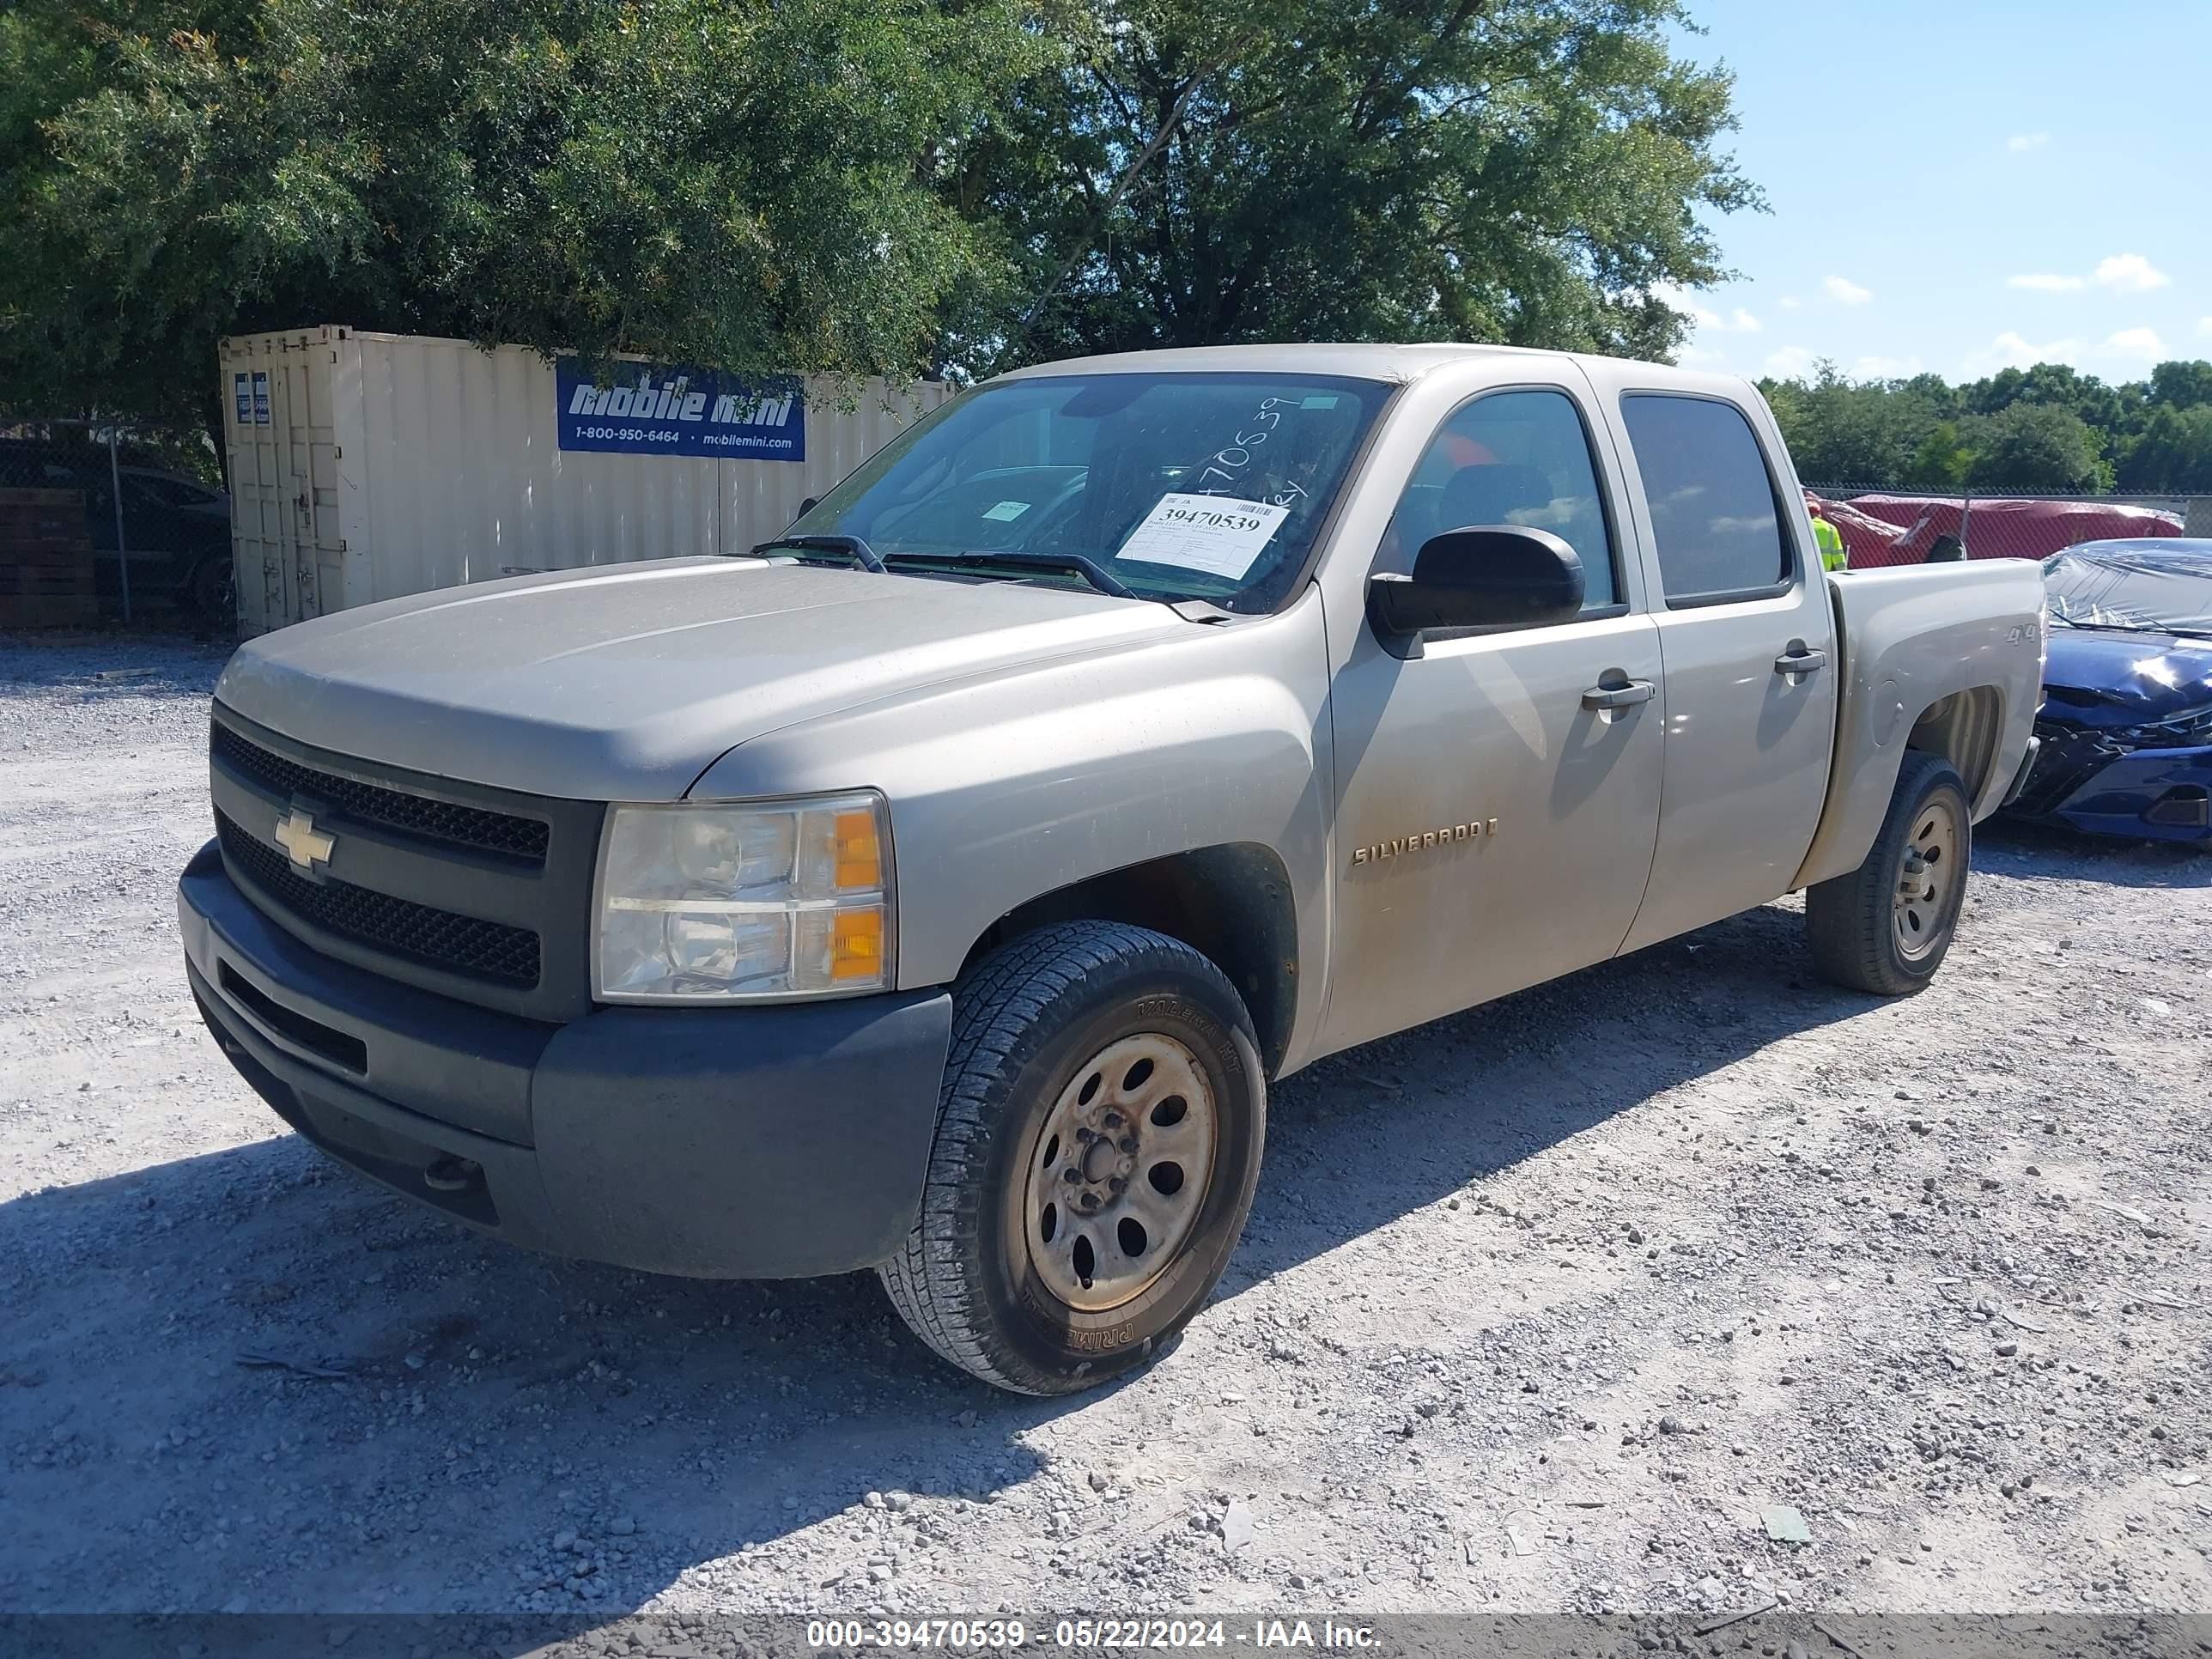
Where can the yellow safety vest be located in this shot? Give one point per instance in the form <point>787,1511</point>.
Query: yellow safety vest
<point>1830,540</point>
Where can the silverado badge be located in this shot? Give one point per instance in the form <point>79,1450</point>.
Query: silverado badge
<point>304,844</point>
<point>1444,835</point>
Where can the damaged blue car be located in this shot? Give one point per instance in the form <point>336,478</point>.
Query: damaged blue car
<point>2126,726</point>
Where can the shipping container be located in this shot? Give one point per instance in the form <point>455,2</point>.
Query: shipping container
<point>364,466</point>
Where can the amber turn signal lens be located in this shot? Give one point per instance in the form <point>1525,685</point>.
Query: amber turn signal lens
<point>860,864</point>
<point>856,950</point>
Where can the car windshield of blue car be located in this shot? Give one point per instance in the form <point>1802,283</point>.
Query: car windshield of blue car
<point>2143,587</point>
<point>1172,486</point>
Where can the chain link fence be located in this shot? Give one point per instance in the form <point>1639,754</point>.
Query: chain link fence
<point>127,519</point>
<point>1883,525</point>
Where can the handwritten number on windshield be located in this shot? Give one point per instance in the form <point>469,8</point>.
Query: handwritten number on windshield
<point>1228,465</point>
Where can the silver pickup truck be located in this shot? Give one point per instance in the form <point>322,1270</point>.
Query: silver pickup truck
<point>938,890</point>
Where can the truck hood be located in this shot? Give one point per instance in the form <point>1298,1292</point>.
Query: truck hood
<point>625,683</point>
<point>2101,677</point>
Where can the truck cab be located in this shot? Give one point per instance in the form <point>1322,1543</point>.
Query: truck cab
<point>940,889</point>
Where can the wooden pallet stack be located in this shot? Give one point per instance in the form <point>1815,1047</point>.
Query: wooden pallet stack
<point>46,561</point>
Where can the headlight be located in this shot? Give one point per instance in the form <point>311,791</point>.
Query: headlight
<point>720,902</point>
<point>2189,731</point>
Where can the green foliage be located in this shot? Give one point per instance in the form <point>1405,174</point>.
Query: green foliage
<point>2175,450</point>
<point>2026,446</point>
<point>1943,462</point>
<point>2049,426</point>
<point>1214,171</point>
<point>746,183</point>
<point>1842,431</point>
<point>841,184</point>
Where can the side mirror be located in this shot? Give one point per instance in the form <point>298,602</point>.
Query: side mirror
<point>1492,576</point>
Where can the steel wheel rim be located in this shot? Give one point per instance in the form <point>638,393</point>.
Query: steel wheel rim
<point>1929,875</point>
<point>1119,1171</point>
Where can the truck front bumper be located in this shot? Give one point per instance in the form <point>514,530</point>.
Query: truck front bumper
<point>769,1142</point>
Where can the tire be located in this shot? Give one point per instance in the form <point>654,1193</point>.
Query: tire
<point>992,1275</point>
<point>1866,933</point>
<point>212,593</point>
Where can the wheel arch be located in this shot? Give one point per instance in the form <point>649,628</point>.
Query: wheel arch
<point>1964,727</point>
<point>1232,903</point>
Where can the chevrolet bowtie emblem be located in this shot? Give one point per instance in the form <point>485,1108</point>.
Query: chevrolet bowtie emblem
<point>304,844</point>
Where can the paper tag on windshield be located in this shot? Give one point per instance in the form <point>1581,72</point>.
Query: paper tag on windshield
<point>1006,512</point>
<point>1218,534</point>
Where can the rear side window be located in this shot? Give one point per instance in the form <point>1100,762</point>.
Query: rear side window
<point>1714,512</point>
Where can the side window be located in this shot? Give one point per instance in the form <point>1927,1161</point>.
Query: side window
<point>1512,458</point>
<point>1713,510</point>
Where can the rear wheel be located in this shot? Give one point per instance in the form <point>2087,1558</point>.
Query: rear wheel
<point>211,591</point>
<point>1885,927</point>
<point>1098,1141</point>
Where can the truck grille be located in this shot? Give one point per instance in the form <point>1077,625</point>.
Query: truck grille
<point>462,890</point>
<point>417,815</point>
<point>437,939</point>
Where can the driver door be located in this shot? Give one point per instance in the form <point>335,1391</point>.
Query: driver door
<point>1493,829</point>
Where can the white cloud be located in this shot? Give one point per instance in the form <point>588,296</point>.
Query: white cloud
<point>2024,141</point>
<point>2011,350</point>
<point>1789,302</point>
<point>1845,292</point>
<point>1702,317</point>
<point>2129,273</point>
<point>2143,342</point>
<point>1789,360</point>
<point>2204,325</point>
<point>2124,273</point>
<point>1886,369</point>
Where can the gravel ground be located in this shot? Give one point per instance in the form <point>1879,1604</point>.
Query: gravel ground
<point>1547,1307</point>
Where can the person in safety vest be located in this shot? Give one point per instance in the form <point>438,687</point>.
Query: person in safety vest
<point>1829,540</point>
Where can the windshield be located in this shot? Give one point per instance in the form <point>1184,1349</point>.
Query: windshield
<point>2129,584</point>
<point>1180,486</point>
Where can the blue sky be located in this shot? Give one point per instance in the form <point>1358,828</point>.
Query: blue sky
<point>1960,184</point>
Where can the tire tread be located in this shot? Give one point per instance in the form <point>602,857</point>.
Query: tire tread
<point>998,1011</point>
<point>1847,918</point>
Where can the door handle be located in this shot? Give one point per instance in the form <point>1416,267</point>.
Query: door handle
<point>1800,662</point>
<point>1618,697</point>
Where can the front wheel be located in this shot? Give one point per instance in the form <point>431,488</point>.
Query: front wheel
<point>1885,927</point>
<point>1097,1145</point>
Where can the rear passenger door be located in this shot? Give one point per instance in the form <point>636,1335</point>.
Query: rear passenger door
<point>1744,641</point>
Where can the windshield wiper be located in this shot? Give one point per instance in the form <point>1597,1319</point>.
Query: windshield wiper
<point>866,556</point>
<point>1071,564</point>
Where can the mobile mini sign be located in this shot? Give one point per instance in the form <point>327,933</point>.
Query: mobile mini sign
<point>648,411</point>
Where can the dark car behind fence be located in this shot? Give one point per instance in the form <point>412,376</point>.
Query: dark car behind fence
<point>144,499</point>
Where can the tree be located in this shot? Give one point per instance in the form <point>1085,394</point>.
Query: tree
<point>1843,432</point>
<point>2174,452</point>
<point>746,184</point>
<point>2031,446</point>
<point>1943,462</point>
<point>2057,385</point>
<point>2183,386</point>
<point>1211,171</point>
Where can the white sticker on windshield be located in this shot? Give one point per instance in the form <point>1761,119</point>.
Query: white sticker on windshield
<point>1218,534</point>
<point>1006,512</point>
